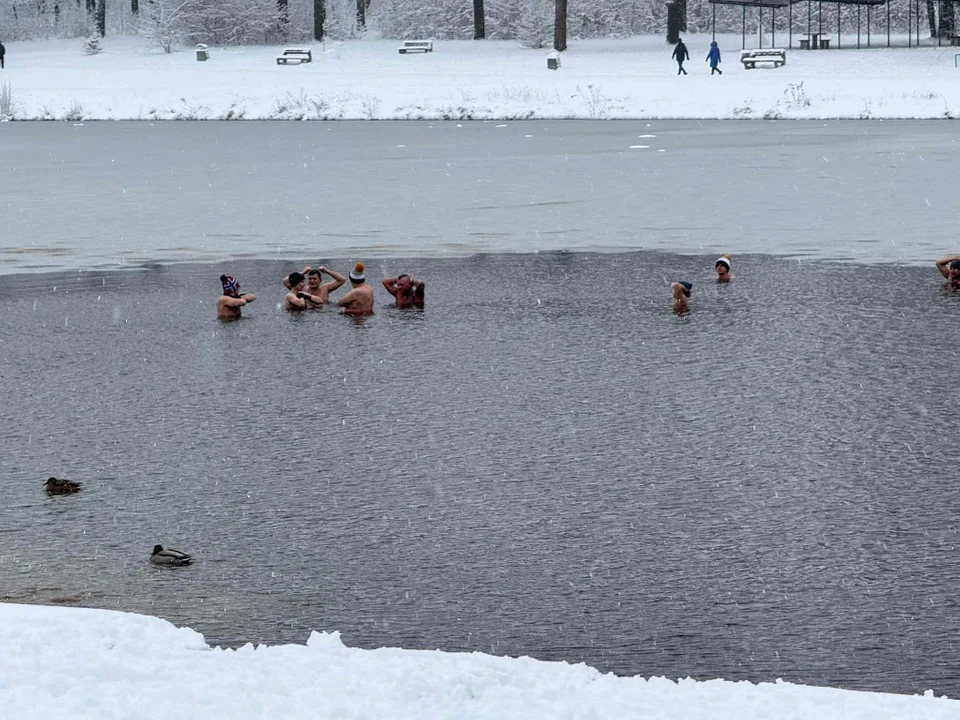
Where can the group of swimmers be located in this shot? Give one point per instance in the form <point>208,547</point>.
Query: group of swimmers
<point>681,289</point>
<point>948,266</point>
<point>306,290</point>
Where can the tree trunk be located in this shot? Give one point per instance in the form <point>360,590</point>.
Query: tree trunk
<point>102,18</point>
<point>319,18</point>
<point>948,23</point>
<point>479,31</point>
<point>560,26</point>
<point>361,15</point>
<point>932,18</point>
<point>135,7</point>
<point>283,17</point>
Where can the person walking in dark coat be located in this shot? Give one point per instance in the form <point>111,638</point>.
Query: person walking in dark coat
<point>681,54</point>
<point>713,57</point>
<point>3,51</point>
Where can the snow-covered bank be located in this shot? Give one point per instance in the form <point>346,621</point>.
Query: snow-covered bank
<point>72,663</point>
<point>369,79</point>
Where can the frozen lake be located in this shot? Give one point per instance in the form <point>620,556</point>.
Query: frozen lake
<point>108,194</point>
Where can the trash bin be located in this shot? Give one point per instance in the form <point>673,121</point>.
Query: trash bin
<point>553,61</point>
<point>202,53</point>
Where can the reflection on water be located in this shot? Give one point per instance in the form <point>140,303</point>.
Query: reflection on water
<point>545,461</point>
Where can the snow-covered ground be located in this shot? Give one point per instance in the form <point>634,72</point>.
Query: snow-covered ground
<point>81,663</point>
<point>369,79</point>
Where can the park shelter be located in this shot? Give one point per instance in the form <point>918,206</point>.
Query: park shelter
<point>816,36</point>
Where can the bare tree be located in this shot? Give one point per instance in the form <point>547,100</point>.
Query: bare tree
<point>560,26</point>
<point>102,18</point>
<point>479,31</point>
<point>164,22</point>
<point>135,7</point>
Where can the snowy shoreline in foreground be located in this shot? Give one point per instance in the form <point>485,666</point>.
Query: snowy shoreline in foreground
<point>77,662</point>
<point>368,79</point>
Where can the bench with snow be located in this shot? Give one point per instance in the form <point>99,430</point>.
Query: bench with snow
<point>750,58</point>
<point>294,56</point>
<point>410,46</point>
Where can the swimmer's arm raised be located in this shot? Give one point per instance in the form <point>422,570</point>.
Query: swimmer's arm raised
<point>338,279</point>
<point>391,285</point>
<point>943,262</point>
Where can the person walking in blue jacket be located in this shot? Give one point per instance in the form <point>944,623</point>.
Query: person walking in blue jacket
<point>713,57</point>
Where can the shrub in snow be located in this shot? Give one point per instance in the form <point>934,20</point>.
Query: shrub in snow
<point>91,46</point>
<point>8,107</point>
<point>163,21</point>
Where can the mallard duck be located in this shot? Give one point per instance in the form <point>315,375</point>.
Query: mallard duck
<point>169,557</point>
<point>60,486</point>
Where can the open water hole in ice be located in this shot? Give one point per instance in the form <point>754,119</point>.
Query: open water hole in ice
<point>545,461</point>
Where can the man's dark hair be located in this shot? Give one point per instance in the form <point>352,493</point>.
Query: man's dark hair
<point>295,279</point>
<point>955,264</point>
<point>314,271</point>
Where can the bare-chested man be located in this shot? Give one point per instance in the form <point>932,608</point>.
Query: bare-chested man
<point>949,267</point>
<point>296,298</point>
<point>407,291</point>
<point>317,293</point>
<point>229,304</point>
<point>681,291</point>
<point>359,301</point>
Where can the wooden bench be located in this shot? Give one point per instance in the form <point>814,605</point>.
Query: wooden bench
<point>294,56</point>
<point>410,46</point>
<point>750,58</point>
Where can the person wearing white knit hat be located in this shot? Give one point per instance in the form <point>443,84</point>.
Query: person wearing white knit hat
<point>723,268</point>
<point>359,301</point>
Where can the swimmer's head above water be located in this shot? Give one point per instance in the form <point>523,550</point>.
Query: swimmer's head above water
<point>231,286</point>
<point>295,279</point>
<point>723,266</point>
<point>356,275</point>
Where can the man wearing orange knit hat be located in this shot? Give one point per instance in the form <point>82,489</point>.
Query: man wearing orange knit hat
<point>359,301</point>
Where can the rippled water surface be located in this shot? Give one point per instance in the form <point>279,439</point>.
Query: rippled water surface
<point>545,461</point>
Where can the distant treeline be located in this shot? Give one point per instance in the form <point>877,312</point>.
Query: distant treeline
<point>530,22</point>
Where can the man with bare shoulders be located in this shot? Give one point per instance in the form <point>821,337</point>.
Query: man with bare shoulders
<point>317,293</point>
<point>681,292</point>
<point>229,304</point>
<point>405,290</point>
<point>359,301</point>
<point>949,267</point>
<point>296,298</point>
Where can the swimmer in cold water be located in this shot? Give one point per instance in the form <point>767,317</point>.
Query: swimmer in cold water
<point>359,301</point>
<point>229,304</point>
<point>681,293</point>
<point>722,267</point>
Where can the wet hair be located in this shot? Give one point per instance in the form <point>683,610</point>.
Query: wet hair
<point>314,272</point>
<point>294,279</point>
<point>955,264</point>
<point>401,276</point>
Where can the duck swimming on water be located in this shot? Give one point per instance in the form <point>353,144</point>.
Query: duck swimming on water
<point>61,486</point>
<point>169,557</point>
